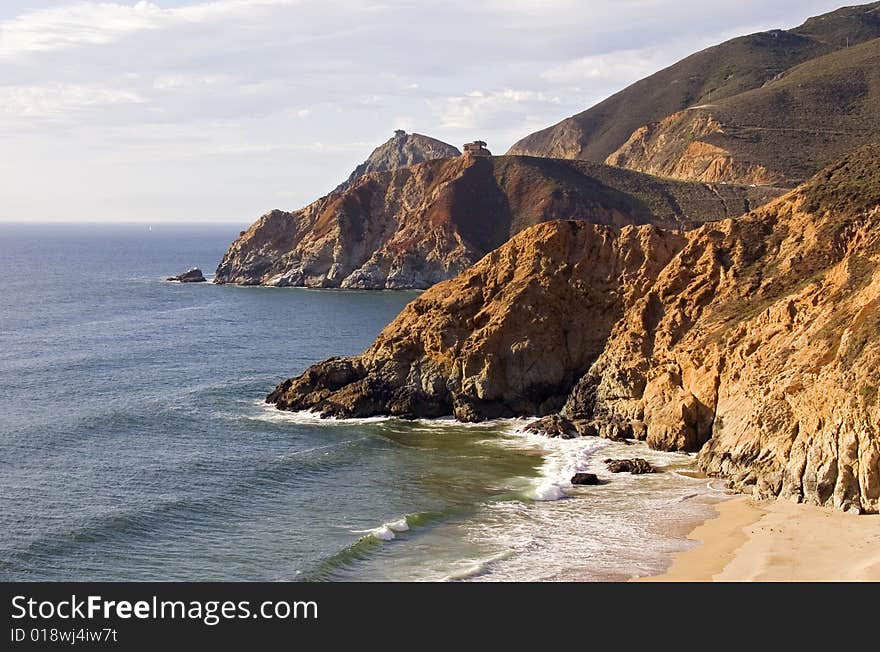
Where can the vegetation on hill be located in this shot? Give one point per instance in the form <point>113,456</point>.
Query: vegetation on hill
<point>726,73</point>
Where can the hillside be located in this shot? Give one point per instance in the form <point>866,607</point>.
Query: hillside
<point>416,226</point>
<point>778,134</point>
<point>707,77</point>
<point>400,151</point>
<point>752,340</point>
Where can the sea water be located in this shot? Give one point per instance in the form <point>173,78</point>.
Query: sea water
<point>135,443</point>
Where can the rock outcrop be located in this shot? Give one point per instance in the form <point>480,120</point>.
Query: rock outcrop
<point>419,225</point>
<point>554,426</point>
<point>679,147</point>
<point>507,337</point>
<point>401,151</point>
<point>635,466</point>
<point>193,275</point>
<point>755,340</point>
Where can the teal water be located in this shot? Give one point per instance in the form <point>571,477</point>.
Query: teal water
<point>134,443</point>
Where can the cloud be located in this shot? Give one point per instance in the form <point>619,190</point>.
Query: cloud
<point>101,23</point>
<point>60,101</point>
<point>613,67</point>
<point>481,109</point>
<point>222,102</point>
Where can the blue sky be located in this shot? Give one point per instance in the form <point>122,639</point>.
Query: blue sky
<point>219,110</point>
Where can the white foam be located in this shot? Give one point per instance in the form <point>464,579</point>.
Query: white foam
<point>386,531</point>
<point>383,533</point>
<point>562,459</point>
<point>476,568</point>
<point>268,412</point>
<point>400,525</point>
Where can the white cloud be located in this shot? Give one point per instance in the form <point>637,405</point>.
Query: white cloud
<point>174,81</point>
<point>101,23</point>
<point>60,101</point>
<point>478,109</point>
<point>615,67</point>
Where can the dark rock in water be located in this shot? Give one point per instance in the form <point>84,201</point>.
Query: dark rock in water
<point>584,478</point>
<point>557,425</point>
<point>636,466</point>
<point>193,275</point>
<point>553,426</point>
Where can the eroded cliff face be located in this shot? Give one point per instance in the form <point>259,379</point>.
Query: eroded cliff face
<point>507,337</point>
<point>755,341</point>
<point>680,146</point>
<point>419,225</point>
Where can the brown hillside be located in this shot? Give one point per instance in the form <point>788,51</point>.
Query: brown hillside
<point>778,134</point>
<point>709,77</point>
<point>416,226</point>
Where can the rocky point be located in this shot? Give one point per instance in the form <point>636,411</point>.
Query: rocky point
<point>752,340</point>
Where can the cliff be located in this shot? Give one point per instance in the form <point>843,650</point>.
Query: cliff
<point>753,340</point>
<point>416,226</point>
<point>401,151</point>
<point>734,69</point>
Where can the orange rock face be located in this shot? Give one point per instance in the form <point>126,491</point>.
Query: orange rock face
<point>679,147</point>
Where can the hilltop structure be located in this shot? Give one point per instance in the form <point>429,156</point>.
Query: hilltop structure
<point>476,148</point>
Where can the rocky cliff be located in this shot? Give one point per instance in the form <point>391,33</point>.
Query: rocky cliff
<point>401,151</point>
<point>792,130</point>
<point>753,340</point>
<point>680,146</point>
<point>416,226</point>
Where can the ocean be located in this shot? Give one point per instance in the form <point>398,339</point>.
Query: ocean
<point>135,443</point>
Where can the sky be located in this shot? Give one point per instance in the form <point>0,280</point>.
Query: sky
<point>220,110</point>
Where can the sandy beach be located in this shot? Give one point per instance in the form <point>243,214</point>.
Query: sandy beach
<point>779,541</point>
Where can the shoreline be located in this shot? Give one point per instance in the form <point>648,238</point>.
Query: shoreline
<point>778,541</point>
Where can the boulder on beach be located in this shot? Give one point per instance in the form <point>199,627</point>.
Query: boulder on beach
<point>585,478</point>
<point>553,426</point>
<point>193,275</point>
<point>636,466</point>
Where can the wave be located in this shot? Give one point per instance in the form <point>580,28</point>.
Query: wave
<point>330,567</point>
<point>562,459</point>
<point>389,531</point>
<point>480,567</point>
<point>268,412</point>
<point>188,515</point>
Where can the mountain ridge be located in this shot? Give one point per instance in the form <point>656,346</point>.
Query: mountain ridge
<point>415,226</point>
<point>726,70</point>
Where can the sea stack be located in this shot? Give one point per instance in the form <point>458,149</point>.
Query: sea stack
<point>193,275</point>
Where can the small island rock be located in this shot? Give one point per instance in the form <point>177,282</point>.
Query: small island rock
<point>193,275</point>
